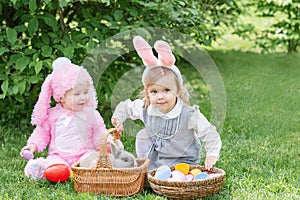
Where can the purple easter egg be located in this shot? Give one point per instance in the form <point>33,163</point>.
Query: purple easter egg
<point>163,172</point>
<point>201,176</point>
<point>27,155</point>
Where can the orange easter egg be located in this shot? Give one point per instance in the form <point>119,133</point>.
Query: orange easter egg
<point>183,167</point>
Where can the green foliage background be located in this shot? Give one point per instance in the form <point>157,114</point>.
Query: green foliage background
<point>35,32</point>
<point>282,34</point>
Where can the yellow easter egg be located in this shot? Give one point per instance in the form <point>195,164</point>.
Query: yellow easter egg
<point>195,171</point>
<point>183,167</point>
<point>72,174</point>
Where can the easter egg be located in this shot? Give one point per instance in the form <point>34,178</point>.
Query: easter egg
<point>201,176</point>
<point>176,174</point>
<point>163,172</point>
<point>213,175</point>
<point>195,171</point>
<point>189,177</point>
<point>57,173</point>
<point>183,167</point>
<point>72,174</point>
<point>174,179</point>
<point>27,155</point>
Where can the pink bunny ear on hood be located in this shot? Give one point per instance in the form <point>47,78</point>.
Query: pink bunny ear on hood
<point>40,111</point>
<point>165,55</point>
<point>145,52</point>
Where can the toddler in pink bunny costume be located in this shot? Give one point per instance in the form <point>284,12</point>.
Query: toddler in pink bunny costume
<point>72,127</point>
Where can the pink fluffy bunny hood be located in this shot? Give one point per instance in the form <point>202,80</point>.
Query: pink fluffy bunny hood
<point>65,76</point>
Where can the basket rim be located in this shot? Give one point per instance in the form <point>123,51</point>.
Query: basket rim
<point>153,180</point>
<point>145,163</point>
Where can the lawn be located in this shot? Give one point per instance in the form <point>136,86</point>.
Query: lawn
<point>261,134</point>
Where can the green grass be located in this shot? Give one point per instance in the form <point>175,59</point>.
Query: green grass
<point>260,137</point>
<point>231,41</point>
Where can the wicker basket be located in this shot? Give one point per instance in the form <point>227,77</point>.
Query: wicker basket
<point>187,190</point>
<point>106,180</point>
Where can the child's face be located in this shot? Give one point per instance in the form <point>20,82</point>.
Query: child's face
<point>76,98</point>
<point>163,94</point>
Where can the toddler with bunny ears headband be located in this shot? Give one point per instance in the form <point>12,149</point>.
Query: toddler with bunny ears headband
<point>71,128</point>
<point>174,130</point>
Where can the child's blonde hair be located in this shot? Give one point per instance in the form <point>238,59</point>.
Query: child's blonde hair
<point>157,73</point>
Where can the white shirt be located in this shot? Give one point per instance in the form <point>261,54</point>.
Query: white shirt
<point>203,128</point>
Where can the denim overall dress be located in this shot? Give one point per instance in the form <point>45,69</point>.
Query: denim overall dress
<point>172,141</point>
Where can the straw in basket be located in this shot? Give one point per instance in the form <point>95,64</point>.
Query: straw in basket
<point>187,190</point>
<point>106,180</point>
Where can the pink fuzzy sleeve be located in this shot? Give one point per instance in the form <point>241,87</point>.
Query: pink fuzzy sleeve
<point>101,123</point>
<point>98,128</point>
<point>40,137</point>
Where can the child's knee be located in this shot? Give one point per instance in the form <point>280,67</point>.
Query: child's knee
<point>35,168</point>
<point>142,134</point>
<point>142,138</point>
<point>143,144</point>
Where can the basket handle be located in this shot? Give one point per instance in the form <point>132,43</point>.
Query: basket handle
<point>103,160</point>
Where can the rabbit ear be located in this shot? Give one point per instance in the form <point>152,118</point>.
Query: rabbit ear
<point>119,144</point>
<point>40,111</point>
<point>113,147</point>
<point>145,52</point>
<point>165,55</point>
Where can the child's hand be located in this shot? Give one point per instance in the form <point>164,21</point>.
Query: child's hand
<point>31,147</point>
<point>210,161</point>
<point>118,125</point>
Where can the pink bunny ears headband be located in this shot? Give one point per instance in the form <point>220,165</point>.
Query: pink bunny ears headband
<point>165,56</point>
<point>65,76</point>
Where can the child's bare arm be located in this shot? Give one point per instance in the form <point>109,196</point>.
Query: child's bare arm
<point>210,161</point>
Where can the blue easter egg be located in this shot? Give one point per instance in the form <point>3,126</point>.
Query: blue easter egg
<point>163,173</point>
<point>201,176</point>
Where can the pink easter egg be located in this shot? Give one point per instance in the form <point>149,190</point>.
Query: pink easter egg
<point>189,177</point>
